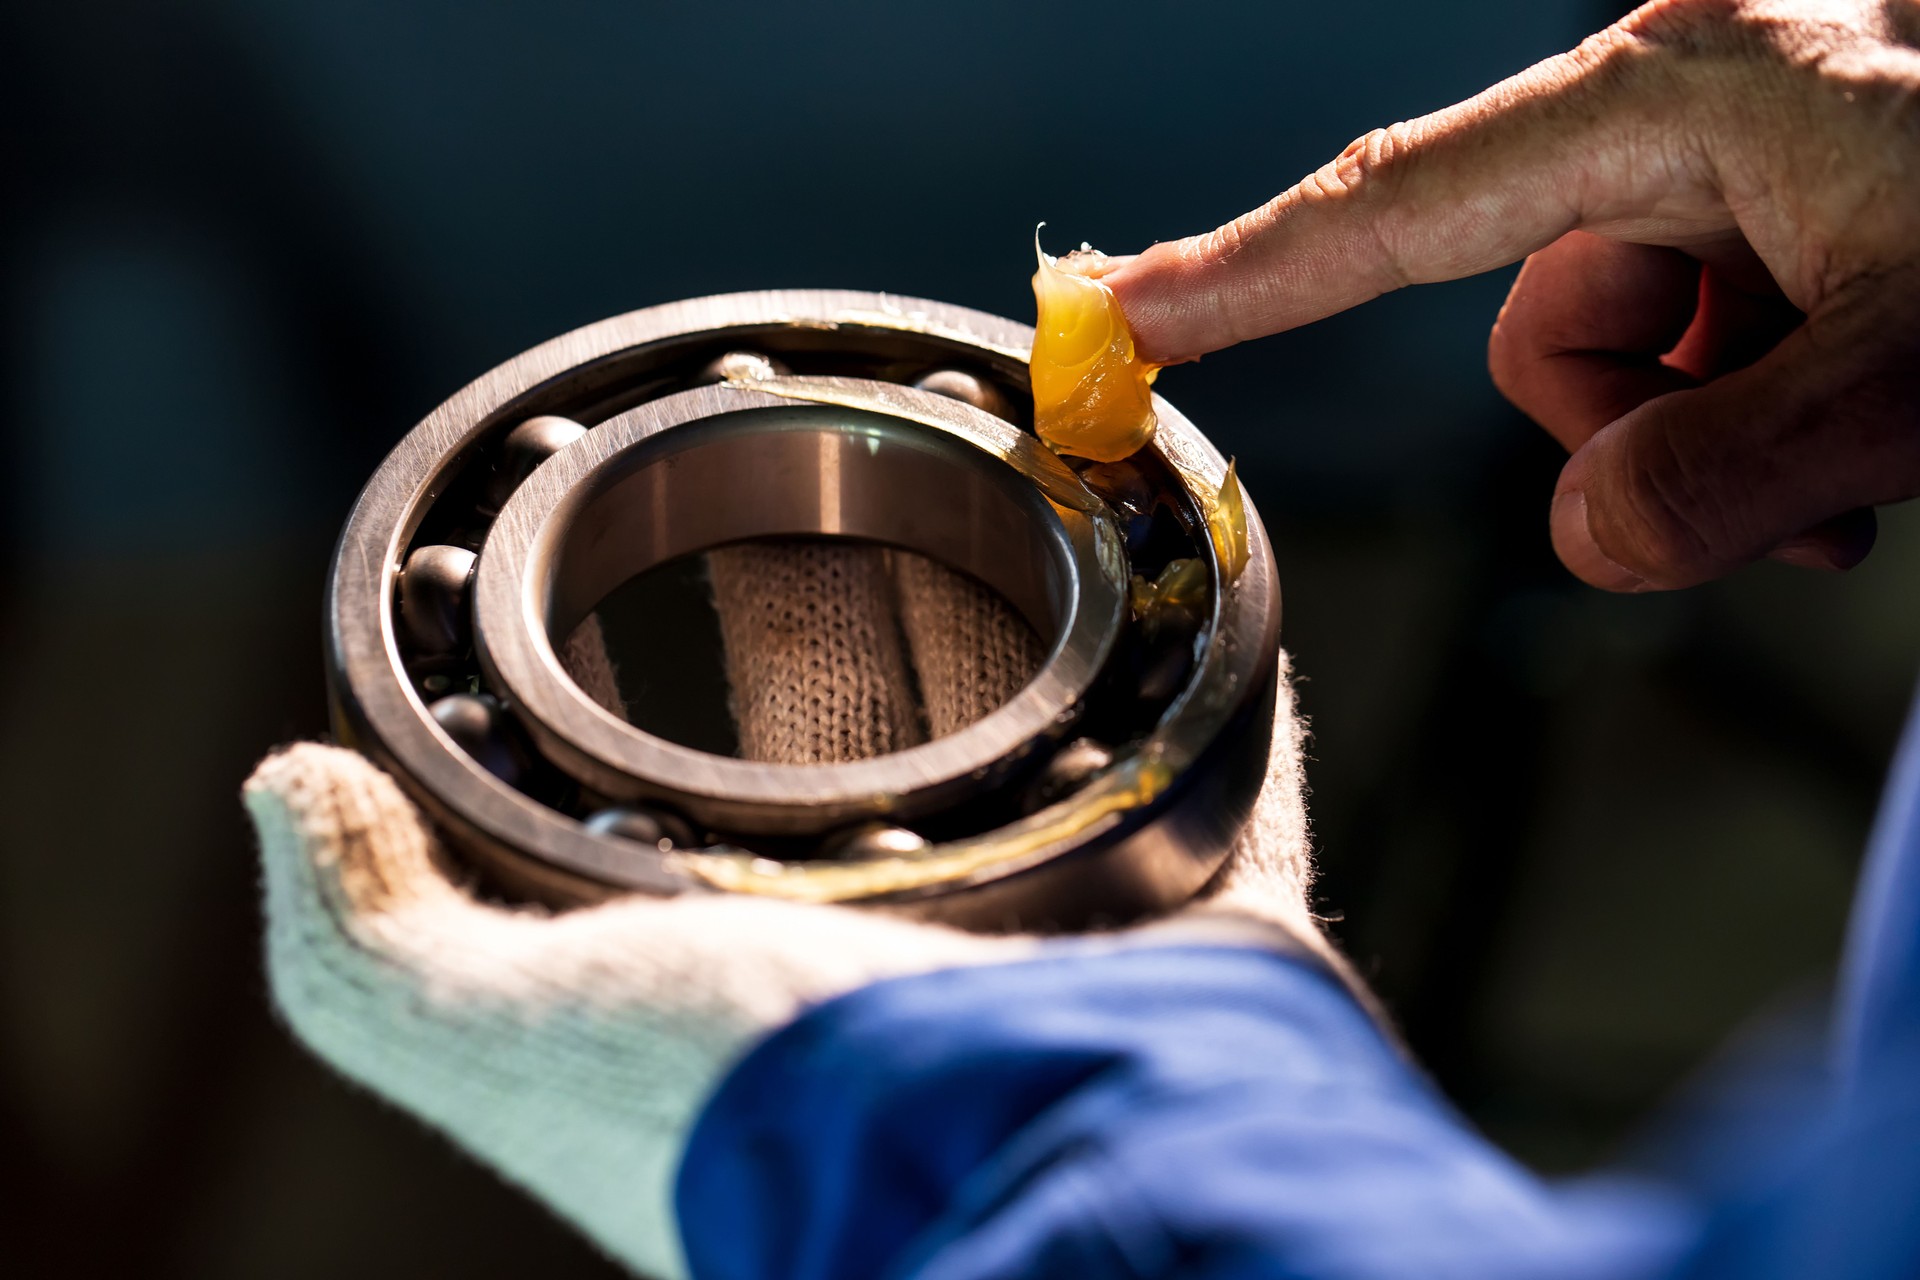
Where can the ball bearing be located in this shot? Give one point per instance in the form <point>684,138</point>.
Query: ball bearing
<point>434,603</point>
<point>1111,785</point>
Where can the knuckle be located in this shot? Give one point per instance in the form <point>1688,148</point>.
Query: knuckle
<point>1370,167</point>
<point>1505,358</point>
<point>1724,28</point>
<point>1371,177</point>
<point>1683,22</point>
<point>1519,347</point>
<point>1221,244</point>
<point>1606,54</point>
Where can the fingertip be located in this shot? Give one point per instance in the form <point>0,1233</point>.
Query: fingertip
<point>325,813</point>
<point>1574,543</point>
<point>1802,554</point>
<point>1148,288</point>
<point>1833,546</point>
<point>300,769</point>
<point>282,793</point>
<point>1578,341</point>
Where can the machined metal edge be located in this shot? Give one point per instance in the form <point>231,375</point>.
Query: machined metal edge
<point>515,586</point>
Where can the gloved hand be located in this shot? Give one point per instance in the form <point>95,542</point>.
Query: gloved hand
<point>573,1051</point>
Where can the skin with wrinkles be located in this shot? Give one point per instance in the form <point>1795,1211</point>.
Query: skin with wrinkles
<point>1718,202</point>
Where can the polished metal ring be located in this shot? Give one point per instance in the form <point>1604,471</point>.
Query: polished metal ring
<point>1110,786</point>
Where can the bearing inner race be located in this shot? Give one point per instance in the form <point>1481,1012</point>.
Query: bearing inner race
<point>705,467</point>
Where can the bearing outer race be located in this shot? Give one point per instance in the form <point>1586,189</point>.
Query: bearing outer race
<point>1214,737</point>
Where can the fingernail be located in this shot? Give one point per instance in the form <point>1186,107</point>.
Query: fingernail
<point>1833,545</point>
<point>1807,553</point>
<point>1573,540</point>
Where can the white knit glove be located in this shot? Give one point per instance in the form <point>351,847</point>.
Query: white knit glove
<point>572,1052</point>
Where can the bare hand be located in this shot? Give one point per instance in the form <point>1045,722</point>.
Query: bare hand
<point>1719,315</point>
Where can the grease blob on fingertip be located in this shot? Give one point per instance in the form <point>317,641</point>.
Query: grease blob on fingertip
<point>1092,395</point>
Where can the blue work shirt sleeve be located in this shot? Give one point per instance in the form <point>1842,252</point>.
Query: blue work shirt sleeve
<point>1230,1112</point>
<point>1191,1111</point>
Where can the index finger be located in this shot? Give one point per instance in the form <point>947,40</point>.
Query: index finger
<point>1585,139</point>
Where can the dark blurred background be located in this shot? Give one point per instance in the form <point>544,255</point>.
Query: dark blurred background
<point>1575,839</point>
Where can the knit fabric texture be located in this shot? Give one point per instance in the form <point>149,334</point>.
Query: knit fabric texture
<point>840,650</point>
<point>570,1052</point>
<point>817,676</point>
<point>586,659</point>
<point>971,650</point>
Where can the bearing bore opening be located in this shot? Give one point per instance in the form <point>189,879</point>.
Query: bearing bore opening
<point>808,585</point>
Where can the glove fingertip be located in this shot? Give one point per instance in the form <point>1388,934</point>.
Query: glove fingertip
<point>324,811</point>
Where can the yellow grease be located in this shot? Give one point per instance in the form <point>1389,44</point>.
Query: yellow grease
<point>1180,588</point>
<point>1129,785</point>
<point>1227,526</point>
<point>1092,394</point>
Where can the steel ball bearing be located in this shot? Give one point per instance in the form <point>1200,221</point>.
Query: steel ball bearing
<point>1112,785</point>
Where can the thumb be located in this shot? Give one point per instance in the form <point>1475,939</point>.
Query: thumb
<point>364,932</point>
<point>523,1038</point>
<point>570,1052</point>
<point>1783,458</point>
<point>337,837</point>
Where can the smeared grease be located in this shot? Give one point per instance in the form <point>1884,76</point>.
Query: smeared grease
<point>1131,784</point>
<point>1227,526</point>
<point>1176,597</point>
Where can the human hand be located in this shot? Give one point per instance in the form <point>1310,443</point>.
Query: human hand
<point>573,1052</point>
<point>1719,315</point>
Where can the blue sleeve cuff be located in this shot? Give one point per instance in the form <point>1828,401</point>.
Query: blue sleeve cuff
<point>1190,1110</point>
